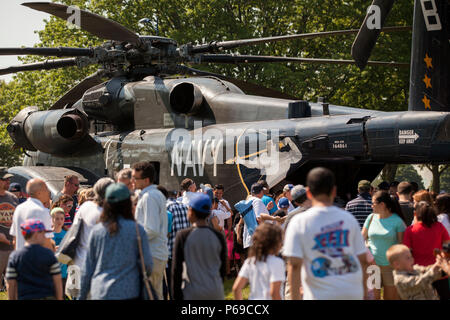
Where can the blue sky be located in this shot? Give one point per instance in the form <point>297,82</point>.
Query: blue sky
<point>17,26</point>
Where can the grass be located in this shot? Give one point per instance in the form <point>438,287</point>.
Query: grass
<point>228,284</point>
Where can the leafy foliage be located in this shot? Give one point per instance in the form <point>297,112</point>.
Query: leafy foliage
<point>406,172</point>
<point>381,88</point>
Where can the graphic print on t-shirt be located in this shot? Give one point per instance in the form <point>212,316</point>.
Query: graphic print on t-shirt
<point>331,242</point>
<point>6,214</point>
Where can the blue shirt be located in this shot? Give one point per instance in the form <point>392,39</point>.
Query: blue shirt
<point>58,238</point>
<point>266,199</point>
<point>111,269</point>
<point>382,234</point>
<point>33,267</point>
<point>169,221</point>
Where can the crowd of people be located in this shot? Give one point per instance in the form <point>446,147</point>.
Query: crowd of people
<point>297,244</point>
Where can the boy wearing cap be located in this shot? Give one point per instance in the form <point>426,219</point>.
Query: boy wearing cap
<point>33,273</point>
<point>287,194</point>
<point>199,256</point>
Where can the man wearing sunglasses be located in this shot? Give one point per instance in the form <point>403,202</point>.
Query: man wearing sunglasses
<point>71,185</point>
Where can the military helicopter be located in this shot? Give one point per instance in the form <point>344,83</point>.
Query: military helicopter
<point>217,129</point>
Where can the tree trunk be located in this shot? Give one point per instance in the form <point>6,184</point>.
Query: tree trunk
<point>388,173</point>
<point>435,183</point>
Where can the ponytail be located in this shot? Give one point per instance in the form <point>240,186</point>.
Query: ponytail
<point>425,213</point>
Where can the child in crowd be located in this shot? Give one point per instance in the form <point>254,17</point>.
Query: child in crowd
<point>66,203</point>
<point>263,269</point>
<point>218,216</point>
<point>58,216</point>
<point>199,256</point>
<point>413,282</point>
<point>33,273</point>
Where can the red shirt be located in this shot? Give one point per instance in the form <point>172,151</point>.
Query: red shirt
<point>423,240</point>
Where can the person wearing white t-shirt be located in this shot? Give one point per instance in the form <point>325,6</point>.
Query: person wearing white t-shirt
<point>33,208</point>
<point>260,210</point>
<point>264,271</point>
<point>89,214</point>
<point>443,206</point>
<point>326,244</point>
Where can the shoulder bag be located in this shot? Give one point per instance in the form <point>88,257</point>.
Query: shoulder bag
<point>69,244</point>
<point>147,291</point>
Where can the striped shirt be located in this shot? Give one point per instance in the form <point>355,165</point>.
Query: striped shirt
<point>360,207</point>
<point>179,221</point>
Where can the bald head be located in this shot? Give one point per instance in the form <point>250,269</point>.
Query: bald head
<point>37,188</point>
<point>34,186</point>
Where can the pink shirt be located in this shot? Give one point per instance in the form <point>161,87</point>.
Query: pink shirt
<point>423,240</point>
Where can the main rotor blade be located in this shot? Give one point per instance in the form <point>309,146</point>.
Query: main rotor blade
<point>76,92</point>
<point>247,87</point>
<point>229,58</point>
<point>224,45</point>
<point>366,38</point>
<point>91,22</point>
<point>47,65</point>
<point>52,52</point>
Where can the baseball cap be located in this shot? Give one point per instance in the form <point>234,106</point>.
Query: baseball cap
<point>4,173</point>
<point>298,191</point>
<point>283,203</point>
<point>117,192</point>
<point>288,187</point>
<point>256,188</point>
<point>200,202</point>
<point>32,225</point>
<point>14,187</point>
<point>364,184</point>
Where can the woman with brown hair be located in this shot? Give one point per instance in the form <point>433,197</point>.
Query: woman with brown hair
<point>423,195</point>
<point>382,229</point>
<point>66,203</point>
<point>111,268</point>
<point>263,269</point>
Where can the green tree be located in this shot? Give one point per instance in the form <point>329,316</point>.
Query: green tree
<point>406,172</point>
<point>445,181</point>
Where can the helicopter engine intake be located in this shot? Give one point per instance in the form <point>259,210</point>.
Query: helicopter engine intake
<point>54,131</point>
<point>185,97</point>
